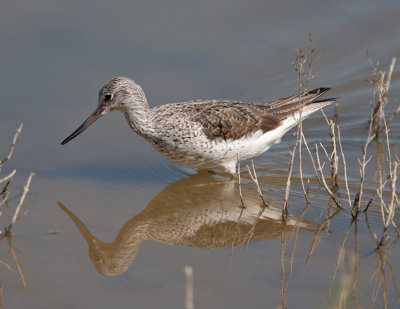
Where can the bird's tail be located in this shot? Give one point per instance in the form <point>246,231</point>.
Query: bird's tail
<point>306,103</point>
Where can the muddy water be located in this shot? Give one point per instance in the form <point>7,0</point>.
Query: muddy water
<point>130,221</point>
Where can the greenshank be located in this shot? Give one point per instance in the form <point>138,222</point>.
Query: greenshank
<point>205,134</point>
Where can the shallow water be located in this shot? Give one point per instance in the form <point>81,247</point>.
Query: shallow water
<point>55,58</point>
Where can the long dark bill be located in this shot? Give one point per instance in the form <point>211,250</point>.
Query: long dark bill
<point>92,118</point>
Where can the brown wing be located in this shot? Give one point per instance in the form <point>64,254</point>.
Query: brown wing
<point>233,120</point>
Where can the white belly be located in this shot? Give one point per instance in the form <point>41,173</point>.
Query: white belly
<point>197,151</point>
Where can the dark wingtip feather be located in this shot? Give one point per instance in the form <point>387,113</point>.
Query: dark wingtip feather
<point>320,90</point>
<point>328,99</point>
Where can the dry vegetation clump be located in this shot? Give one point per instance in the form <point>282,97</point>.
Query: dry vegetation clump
<point>13,212</point>
<point>331,172</point>
<point>383,198</point>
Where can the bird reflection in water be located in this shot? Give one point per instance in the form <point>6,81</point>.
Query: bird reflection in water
<point>197,212</point>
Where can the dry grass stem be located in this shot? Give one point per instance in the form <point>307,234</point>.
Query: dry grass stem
<point>189,304</point>
<point>8,177</point>
<point>17,264</point>
<point>313,162</point>
<point>381,89</point>
<point>240,183</point>
<point>356,253</point>
<point>253,176</point>
<point>12,146</point>
<point>3,201</point>
<point>304,68</point>
<point>317,236</point>
<point>322,178</point>
<point>14,216</point>
<point>1,297</point>
<point>21,201</point>
<point>381,273</point>
<point>395,113</point>
<point>339,257</point>
<point>305,191</point>
<point>388,211</point>
<point>283,249</point>
<point>304,64</point>
<point>5,264</point>
<point>393,279</point>
<point>344,169</point>
<point>333,158</point>
<point>236,233</point>
<point>363,163</point>
<point>296,234</point>
<point>241,212</point>
<point>288,182</point>
<point>389,76</point>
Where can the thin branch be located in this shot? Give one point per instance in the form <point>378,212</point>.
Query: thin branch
<point>21,201</point>
<point>344,167</point>
<point>12,145</point>
<point>339,256</point>
<point>189,287</point>
<point>1,297</point>
<point>8,177</point>
<point>322,177</point>
<point>255,179</point>
<point>14,256</point>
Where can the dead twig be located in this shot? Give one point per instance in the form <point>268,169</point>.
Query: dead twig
<point>344,168</point>
<point>253,176</point>
<point>14,215</point>
<point>189,287</point>
<point>339,257</point>
<point>8,157</point>
<point>1,297</point>
<point>322,177</point>
<point>20,203</point>
<point>17,264</point>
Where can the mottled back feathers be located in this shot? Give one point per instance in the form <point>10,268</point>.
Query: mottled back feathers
<point>234,120</point>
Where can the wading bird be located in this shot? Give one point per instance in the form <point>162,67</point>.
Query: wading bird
<point>205,134</point>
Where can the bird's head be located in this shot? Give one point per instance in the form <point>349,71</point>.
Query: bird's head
<point>118,94</point>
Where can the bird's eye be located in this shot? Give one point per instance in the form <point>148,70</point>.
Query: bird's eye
<point>107,97</point>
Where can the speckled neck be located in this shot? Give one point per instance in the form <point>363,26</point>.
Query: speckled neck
<point>137,115</point>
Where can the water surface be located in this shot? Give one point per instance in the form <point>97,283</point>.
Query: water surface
<point>55,58</point>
